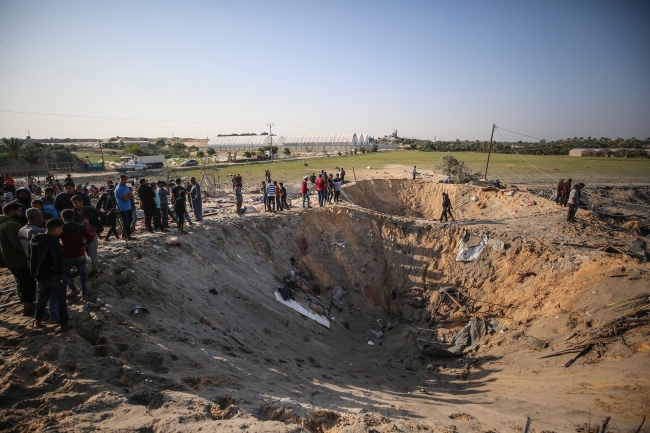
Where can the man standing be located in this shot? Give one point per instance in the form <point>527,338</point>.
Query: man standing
<point>64,200</point>
<point>337,188</point>
<point>270,190</point>
<point>34,226</point>
<point>446,208</point>
<point>74,238</point>
<point>320,188</point>
<point>176,194</point>
<point>278,202</point>
<point>415,172</point>
<point>195,196</point>
<point>342,175</point>
<point>305,192</point>
<point>566,190</point>
<point>106,204</point>
<point>94,220</point>
<point>447,177</point>
<point>147,203</point>
<point>240,180</point>
<point>574,202</point>
<point>163,196</point>
<point>265,197</point>
<point>123,196</point>
<point>46,265</point>
<point>558,191</point>
<point>239,198</point>
<point>48,202</point>
<point>14,258</point>
<point>283,197</point>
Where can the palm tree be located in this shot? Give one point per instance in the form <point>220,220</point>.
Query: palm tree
<point>12,146</point>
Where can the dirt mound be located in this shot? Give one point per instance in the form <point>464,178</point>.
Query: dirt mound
<point>275,369</point>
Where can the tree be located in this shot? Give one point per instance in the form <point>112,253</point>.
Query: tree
<point>134,149</point>
<point>287,151</point>
<point>211,151</point>
<point>12,146</point>
<point>374,148</point>
<point>247,154</point>
<point>160,142</point>
<point>200,154</point>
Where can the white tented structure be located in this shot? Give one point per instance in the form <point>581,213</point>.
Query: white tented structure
<point>242,143</point>
<point>301,143</point>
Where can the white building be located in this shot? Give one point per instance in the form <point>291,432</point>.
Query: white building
<point>324,142</point>
<point>242,143</point>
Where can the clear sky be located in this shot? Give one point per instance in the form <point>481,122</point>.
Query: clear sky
<point>449,69</point>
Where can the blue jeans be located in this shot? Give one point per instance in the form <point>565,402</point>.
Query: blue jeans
<point>321,197</point>
<point>80,263</point>
<point>164,215</point>
<point>53,310</point>
<point>52,287</point>
<point>305,198</point>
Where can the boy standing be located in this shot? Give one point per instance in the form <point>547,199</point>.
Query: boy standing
<point>46,266</point>
<point>74,237</point>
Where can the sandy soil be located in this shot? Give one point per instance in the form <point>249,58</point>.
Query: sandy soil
<point>265,368</point>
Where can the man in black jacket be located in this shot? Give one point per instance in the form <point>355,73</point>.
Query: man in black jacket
<point>64,200</point>
<point>46,266</point>
<point>148,204</point>
<point>94,220</point>
<point>106,204</point>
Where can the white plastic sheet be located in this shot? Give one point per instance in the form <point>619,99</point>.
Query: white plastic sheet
<point>468,251</point>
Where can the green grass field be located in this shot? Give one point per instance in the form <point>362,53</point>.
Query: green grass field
<point>507,168</point>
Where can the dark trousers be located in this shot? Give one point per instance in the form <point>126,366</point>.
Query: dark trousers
<point>164,215</point>
<point>149,215</point>
<point>278,202</point>
<point>445,211</point>
<point>321,198</point>
<point>284,203</point>
<point>52,287</point>
<point>112,221</point>
<point>564,198</point>
<point>25,283</point>
<point>126,220</point>
<point>570,216</point>
<point>336,196</point>
<point>180,220</point>
<point>272,203</point>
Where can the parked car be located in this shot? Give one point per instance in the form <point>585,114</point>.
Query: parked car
<point>189,163</point>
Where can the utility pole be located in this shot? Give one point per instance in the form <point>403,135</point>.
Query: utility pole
<point>270,125</point>
<point>494,125</point>
<point>102,152</point>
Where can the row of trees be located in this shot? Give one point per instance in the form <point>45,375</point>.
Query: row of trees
<point>543,147</point>
<point>14,151</point>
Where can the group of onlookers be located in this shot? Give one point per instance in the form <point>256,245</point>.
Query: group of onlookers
<point>43,239</point>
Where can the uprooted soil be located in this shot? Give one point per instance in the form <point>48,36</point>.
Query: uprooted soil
<point>265,368</point>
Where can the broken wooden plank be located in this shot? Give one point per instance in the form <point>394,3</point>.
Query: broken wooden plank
<point>455,301</point>
<point>304,311</point>
<point>583,352</point>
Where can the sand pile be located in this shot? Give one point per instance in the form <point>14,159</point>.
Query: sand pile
<point>236,359</point>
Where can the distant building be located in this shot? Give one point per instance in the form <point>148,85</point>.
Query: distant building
<point>241,143</point>
<point>618,153</point>
<point>301,143</point>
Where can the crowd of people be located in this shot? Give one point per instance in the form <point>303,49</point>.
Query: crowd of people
<point>44,238</point>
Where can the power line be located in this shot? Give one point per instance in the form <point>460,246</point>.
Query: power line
<point>594,196</point>
<point>529,136</point>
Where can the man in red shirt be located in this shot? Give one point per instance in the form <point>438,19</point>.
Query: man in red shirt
<point>320,188</point>
<point>73,239</point>
<point>305,192</point>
